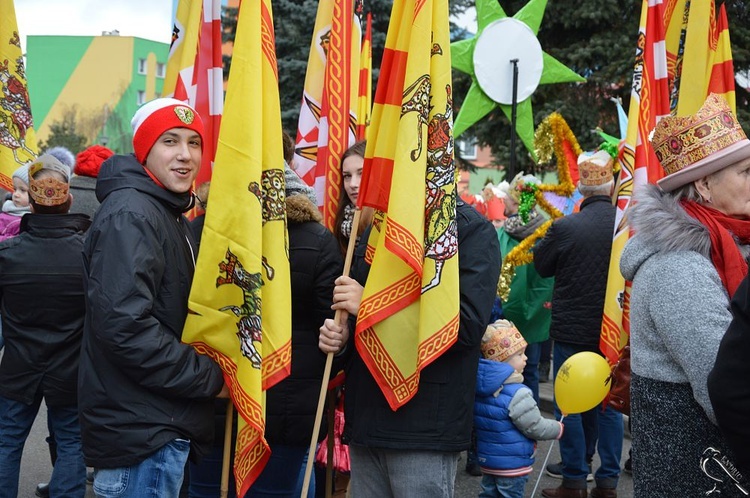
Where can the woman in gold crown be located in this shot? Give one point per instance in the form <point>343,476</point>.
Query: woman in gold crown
<point>686,260</point>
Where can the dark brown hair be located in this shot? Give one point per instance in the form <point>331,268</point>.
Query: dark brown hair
<point>358,149</point>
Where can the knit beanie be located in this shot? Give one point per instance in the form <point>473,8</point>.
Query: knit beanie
<point>63,155</point>
<point>158,116</point>
<point>22,174</point>
<point>89,161</point>
<point>295,185</point>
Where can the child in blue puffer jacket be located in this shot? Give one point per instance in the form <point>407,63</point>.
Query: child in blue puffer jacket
<point>507,420</point>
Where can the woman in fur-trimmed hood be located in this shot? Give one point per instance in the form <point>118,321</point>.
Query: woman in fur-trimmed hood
<point>686,260</point>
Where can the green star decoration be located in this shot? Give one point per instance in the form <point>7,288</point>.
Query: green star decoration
<point>478,104</point>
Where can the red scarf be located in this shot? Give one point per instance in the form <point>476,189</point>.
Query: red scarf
<point>725,254</point>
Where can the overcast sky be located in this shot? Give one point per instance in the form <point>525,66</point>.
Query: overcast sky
<point>150,19</point>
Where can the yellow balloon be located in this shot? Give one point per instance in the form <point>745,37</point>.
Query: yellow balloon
<point>582,382</point>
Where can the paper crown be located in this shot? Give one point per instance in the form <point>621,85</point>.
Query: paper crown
<point>695,146</point>
<point>48,191</point>
<point>502,340</point>
<point>595,169</point>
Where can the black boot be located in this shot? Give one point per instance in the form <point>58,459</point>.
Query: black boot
<point>42,490</point>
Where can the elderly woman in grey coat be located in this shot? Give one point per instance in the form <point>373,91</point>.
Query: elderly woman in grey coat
<point>686,260</point>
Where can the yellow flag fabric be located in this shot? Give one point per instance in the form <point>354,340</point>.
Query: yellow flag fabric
<point>184,47</point>
<point>706,44</point>
<point>683,54</point>
<point>331,84</point>
<point>17,138</point>
<point>410,307</point>
<point>240,300</point>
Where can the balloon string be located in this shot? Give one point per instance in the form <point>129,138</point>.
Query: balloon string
<point>544,465</point>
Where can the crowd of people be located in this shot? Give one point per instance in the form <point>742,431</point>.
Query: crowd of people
<point>97,260</point>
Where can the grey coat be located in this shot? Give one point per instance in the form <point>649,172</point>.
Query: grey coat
<point>679,313</point>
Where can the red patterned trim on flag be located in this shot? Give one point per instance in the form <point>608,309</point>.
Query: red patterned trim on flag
<point>249,464</point>
<point>390,300</point>
<point>369,254</point>
<point>386,373</point>
<point>401,242</point>
<point>268,41</point>
<point>277,366</point>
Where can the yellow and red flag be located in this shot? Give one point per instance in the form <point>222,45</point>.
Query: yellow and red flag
<point>194,70</point>
<point>364,95</point>
<point>678,41</point>
<point>240,301</point>
<point>17,138</point>
<point>409,311</point>
<point>327,117</point>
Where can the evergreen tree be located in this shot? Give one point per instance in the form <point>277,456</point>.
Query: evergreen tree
<point>63,133</point>
<point>294,21</point>
<point>597,39</point>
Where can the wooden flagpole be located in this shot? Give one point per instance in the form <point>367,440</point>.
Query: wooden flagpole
<point>340,318</point>
<point>227,450</point>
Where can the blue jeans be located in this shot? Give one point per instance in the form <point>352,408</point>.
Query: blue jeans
<point>205,477</point>
<point>573,447</point>
<point>531,370</point>
<point>402,473</point>
<point>158,476</point>
<point>69,473</point>
<point>284,474</point>
<point>503,487</point>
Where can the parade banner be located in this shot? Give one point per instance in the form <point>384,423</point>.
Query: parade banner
<point>678,42</point>
<point>240,301</point>
<point>409,312</point>
<point>17,139</point>
<point>364,95</point>
<point>194,70</point>
<point>327,117</point>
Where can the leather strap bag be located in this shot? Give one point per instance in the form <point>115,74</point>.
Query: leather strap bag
<point>619,394</point>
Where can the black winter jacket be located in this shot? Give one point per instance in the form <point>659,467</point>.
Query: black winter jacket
<point>43,308</point>
<point>143,386</point>
<point>439,416</point>
<point>315,262</point>
<point>727,383</point>
<point>576,251</point>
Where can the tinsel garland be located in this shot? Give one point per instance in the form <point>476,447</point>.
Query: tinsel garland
<point>549,137</point>
<point>527,194</point>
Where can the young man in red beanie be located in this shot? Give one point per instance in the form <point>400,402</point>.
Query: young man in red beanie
<point>149,397</point>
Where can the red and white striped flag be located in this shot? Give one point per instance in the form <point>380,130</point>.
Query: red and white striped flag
<point>679,41</point>
<point>328,114</point>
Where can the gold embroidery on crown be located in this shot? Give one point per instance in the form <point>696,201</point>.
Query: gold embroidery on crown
<point>680,141</point>
<point>184,114</point>
<point>48,191</point>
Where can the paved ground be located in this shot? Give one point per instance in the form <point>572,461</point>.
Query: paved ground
<point>35,466</point>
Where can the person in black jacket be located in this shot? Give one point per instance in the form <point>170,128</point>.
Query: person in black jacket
<point>149,397</point>
<point>728,385</point>
<point>42,298</point>
<point>419,444</point>
<point>576,251</point>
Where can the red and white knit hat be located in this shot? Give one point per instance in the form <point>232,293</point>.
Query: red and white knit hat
<point>158,116</point>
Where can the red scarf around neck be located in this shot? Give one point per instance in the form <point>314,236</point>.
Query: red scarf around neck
<point>725,254</point>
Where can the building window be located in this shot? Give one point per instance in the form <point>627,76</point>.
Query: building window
<point>140,97</point>
<point>467,148</point>
<point>161,69</point>
<point>142,66</point>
